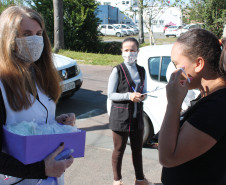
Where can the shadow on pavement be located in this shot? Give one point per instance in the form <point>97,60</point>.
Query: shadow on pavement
<point>98,127</point>
<point>84,103</point>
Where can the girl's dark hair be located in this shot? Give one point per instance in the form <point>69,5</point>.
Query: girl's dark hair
<point>131,39</point>
<point>203,43</point>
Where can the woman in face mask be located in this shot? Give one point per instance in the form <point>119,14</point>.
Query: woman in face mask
<point>29,90</point>
<point>126,84</point>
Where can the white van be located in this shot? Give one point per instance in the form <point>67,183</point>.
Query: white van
<point>108,29</point>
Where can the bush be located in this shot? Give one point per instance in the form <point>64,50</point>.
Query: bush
<point>113,48</point>
<point>80,23</point>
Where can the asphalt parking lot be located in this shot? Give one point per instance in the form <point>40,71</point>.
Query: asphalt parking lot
<point>89,104</point>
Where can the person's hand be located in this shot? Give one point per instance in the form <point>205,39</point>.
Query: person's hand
<point>143,96</point>
<point>176,89</point>
<point>55,168</point>
<point>136,97</point>
<point>66,119</point>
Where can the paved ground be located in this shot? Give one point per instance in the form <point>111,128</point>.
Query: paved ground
<point>89,104</point>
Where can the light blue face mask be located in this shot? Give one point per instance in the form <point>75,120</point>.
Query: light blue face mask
<point>29,49</point>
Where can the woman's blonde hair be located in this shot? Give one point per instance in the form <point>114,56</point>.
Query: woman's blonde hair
<point>15,74</point>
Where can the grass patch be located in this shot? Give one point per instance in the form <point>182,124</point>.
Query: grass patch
<point>169,40</point>
<point>93,58</point>
<point>107,59</point>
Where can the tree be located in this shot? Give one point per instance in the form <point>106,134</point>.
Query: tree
<point>196,10</point>
<point>58,25</point>
<point>214,16</point>
<point>141,28</point>
<point>211,13</point>
<point>80,23</point>
<point>5,3</point>
<point>153,9</point>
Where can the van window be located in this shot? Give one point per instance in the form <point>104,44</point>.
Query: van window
<point>103,26</point>
<point>157,67</point>
<point>110,27</point>
<point>153,65</point>
<point>164,66</point>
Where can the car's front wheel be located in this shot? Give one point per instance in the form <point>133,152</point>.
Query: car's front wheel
<point>148,129</point>
<point>118,34</point>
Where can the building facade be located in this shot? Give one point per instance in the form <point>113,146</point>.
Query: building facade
<point>127,13</point>
<point>127,10</point>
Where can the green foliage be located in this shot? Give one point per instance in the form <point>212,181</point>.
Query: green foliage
<point>5,3</point>
<point>215,16</point>
<point>113,48</point>
<point>80,26</point>
<point>211,13</point>
<point>80,23</point>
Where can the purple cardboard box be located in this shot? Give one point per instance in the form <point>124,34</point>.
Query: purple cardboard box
<point>30,149</point>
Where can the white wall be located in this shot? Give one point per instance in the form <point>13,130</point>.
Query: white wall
<point>168,15</point>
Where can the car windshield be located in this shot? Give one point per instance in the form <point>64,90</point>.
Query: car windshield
<point>186,27</point>
<point>173,27</point>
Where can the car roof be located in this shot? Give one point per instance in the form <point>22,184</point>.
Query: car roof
<point>157,50</point>
<point>153,51</point>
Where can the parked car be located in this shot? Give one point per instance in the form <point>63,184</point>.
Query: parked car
<point>172,31</point>
<point>108,29</point>
<point>156,60</point>
<point>135,29</point>
<point>187,27</point>
<point>70,73</point>
<point>128,29</point>
<point>165,27</point>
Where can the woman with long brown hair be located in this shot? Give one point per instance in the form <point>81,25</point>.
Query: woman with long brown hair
<point>29,88</point>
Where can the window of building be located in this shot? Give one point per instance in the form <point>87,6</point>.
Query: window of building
<point>154,22</point>
<point>123,2</point>
<point>161,22</point>
<point>107,3</point>
<point>127,2</point>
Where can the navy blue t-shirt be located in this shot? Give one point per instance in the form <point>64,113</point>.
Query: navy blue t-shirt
<point>208,115</point>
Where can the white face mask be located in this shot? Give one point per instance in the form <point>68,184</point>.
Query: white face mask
<point>30,48</point>
<point>129,57</point>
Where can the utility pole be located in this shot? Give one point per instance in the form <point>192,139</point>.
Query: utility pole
<point>141,28</point>
<point>58,25</point>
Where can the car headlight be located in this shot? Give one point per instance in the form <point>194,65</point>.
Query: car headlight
<point>77,70</point>
<point>64,74</point>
